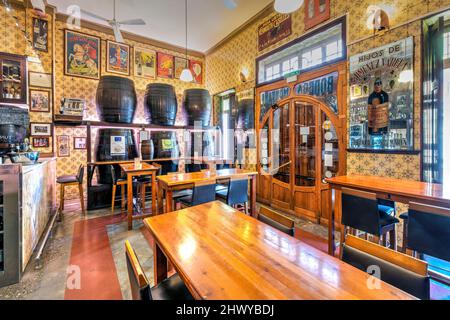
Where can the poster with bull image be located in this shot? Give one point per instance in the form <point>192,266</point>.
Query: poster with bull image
<point>381,97</point>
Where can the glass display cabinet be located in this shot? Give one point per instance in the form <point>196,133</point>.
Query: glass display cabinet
<point>13,82</point>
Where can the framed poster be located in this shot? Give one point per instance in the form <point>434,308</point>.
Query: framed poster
<point>40,100</point>
<point>316,12</point>
<point>41,129</point>
<point>118,147</point>
<point>41,142</point>
<point>79,143</point>
<point>82,55</point>
<point>63,146</point>
<point>180,65</point>
<point>40,34</point>
<point>117,58</point>
<point>196,68</point>
<point>40,80</point>
<point>144,63</point>
<point>273,30</point>
<point>165,65</point>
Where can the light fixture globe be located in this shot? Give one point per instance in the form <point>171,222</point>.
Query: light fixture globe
<point>186,75</point>
<point>287,6</point>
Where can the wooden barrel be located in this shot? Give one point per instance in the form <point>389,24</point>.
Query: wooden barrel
<point>245,118</point>
<point>116,99</point>
<point>161,104</point>
<point>147,150</point>
<point>165,144</point>
<point>14,126</point>
<point>197,106</point>
<point>104,151</point>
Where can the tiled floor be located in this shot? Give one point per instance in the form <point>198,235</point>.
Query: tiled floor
<point>94,246</point>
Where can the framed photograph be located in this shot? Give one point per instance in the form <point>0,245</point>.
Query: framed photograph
<point>179,65</point>
<point>73,107</point>
<point>63,146</point>
<point>79,143</point>
<point>144,63</point>
<point>196,68</point>
<point>40,100</point>
<point>41,129</point>
<point>41,142</point>
<point>165,65</point>
<point>316,12</point>
<point>40,34</point>
<point>117,58</point>
<point>82,55</point>
<point>40,80</point>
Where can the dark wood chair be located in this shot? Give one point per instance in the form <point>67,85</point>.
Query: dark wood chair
<point>236,193</point>
<point>203,192</point>
<point>68,181</point>
<point>397,269</point>
<point>276,220</point>
<point>172,288</point>
<point>118,181</point>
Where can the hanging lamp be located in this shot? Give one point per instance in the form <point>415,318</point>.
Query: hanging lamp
<point>287,6</point>
<point>186,74</point>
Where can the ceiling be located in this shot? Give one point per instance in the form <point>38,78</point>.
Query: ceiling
<point>209,21</point>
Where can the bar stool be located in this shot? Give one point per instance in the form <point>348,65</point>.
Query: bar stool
<point>145,182</point>
<point>66,181</point>
<point>236,194</point>
<point>121,182</point>
<point>203,192</point>
<point>360,211</point>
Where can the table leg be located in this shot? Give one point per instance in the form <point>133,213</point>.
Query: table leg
<point>154,191</point>
<point>160,264</point>
<point>130,200</point>
<point>331,245</point>
<point>160,198</point>
<point>169,200</point>
<point>253,197</point>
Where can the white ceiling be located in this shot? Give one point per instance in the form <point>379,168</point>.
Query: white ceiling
<point>209,21</point>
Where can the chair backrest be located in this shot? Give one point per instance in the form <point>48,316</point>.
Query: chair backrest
<point>80,174</point>
<point>157,165</point>
<point>360,211</point>
<point>237,191</point>
<point>203,192</point>
<point>397,269</point>
<point>276,220</point>
<point>193,167</point>
<point>429,230</point>
<point>140,287</point>
<point>114,175</point>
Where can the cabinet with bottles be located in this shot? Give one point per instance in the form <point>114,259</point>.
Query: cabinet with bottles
<point>13,83</point>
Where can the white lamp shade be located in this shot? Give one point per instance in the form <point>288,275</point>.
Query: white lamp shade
<point>186,76</point>
<point>287,6</point>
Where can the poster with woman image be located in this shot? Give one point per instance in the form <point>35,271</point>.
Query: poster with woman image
<point>197,71</point>
<point>118,55</point>
<point>144,63</point>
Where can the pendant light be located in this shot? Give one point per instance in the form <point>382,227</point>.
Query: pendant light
<point>287,6</point>
<point>186,74</point>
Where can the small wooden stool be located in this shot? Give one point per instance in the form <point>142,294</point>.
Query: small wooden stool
<point>67,181</point>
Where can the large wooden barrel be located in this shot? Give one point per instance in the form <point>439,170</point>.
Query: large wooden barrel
<point>197,106</point>
<point>116,99</point>
<point>161,104</point>
<point>14,126</point>
<point>147,150</point>
<point>165,144</point>
<point>104,152</point>
<point>245,118</point>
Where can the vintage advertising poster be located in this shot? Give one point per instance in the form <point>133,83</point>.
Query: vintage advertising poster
<point>273,30</point>
<point>196,68</point>
<point>180,65</point>
<point>63,146</point>
<point>118,58</point>
<point>40,34</point>
<point>381,97</point>
<point>165,65</point>
<point>144,63</point>
<point>82,55</point>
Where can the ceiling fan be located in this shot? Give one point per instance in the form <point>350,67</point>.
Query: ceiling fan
<point>115,25</point>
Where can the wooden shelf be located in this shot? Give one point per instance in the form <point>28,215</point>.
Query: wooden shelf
<point>101,124</point>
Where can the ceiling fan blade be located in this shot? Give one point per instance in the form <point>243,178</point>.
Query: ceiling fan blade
<point>134,22</point>
<point>230,4</point>
<point>93,15</point>
<point>118,34</point>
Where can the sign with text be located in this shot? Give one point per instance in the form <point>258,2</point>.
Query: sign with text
<point>273,30</point>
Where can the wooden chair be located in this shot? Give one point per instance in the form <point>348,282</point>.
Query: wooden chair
<point>236,193</point>
<point>360,211</point>
<point>144,183</point>
<point>118,182</point>
<point>276,220</point>
<point>398,269</point>
<point>67,181</point>
<point>172,288</point>
<point>204,191</point>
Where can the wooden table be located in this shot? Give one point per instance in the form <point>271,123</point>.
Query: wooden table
<point>169,183</point>
<point>404,191</point>
<point>132,171</point>
<point>221,253</point>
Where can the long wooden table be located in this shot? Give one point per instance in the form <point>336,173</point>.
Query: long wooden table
<point>169,183</point>
<point>396,190</point>
<point>131,170</point>
<point>221,253</point>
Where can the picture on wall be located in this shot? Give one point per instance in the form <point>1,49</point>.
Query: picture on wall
<point>39,100</point>
<point>82,55</point>
<point>63,146</point>
<point>197,71</point>
<point>144,63</point>
<point>381,98</point>
<point>40,129</point>
<point>40,34</point>
<point>41,142</point>
<point>118,58</point>
<point>316,12</point>
<point>79,143</point>
<point>165,65</point>
<point>273,30</point>
<point>180,65</point>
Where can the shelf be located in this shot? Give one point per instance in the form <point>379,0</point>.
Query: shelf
<point>100,124</point>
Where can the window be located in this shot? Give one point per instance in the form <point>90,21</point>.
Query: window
<point>224,113</point>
